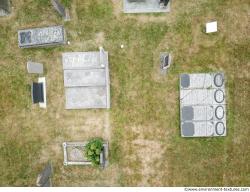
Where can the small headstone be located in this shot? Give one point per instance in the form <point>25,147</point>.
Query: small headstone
<point>44,178</point>
<point>61,9</point>
<point>4,7</point>
<point>33,67</point>
<point>211,27</point>
<point>37,92</point>
<point>165,59</point>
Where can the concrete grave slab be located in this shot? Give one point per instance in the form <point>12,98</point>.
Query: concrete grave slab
<point>82,60</point>
<point>88,77</point>
<point>40,37</point>
<point>74,154</point>
<point>144,6</point>
<point>86,80</point>
<point>202,105</point>
<point>34,67</point>
<point>85,97</point>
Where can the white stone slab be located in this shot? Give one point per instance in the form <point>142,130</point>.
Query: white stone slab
<point>82,60</point>
<point>88,77</point>
<point>33,67</point>
<point>144,6</point>
<point>211,27</point>
<point>86,97</point>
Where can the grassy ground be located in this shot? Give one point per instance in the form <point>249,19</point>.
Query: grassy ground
<point>143,123</point>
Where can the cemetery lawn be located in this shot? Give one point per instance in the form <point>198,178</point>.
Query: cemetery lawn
<point>143,124</point>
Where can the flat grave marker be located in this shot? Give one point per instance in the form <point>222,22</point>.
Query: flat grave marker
<point>202,105</point>
<point>41,37</point>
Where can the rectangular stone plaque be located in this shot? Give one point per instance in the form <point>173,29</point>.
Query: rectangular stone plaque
<point>39,37</point>
<point>33,67</point>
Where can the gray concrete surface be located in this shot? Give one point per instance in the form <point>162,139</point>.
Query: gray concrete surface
<point>144,6</point>
<point>86,80</point>
<point>202,103</point>
<point>38,37</point>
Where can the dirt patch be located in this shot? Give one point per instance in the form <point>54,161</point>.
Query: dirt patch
<point>148,152</point>
<point>100,38</point>
<point>117,7</point>
<point>145,155</point>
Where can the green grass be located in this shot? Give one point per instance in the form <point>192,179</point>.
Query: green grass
<point>145,106</point>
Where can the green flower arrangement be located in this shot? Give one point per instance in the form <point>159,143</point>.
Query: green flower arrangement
<point>93,150</point>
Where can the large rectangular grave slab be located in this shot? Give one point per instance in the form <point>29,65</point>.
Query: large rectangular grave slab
<point>86,80</point>
<point>144,6</point>
<point>202,105</point>
<point>40,37</point>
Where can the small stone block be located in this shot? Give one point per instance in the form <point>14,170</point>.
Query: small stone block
<point>33,67</point>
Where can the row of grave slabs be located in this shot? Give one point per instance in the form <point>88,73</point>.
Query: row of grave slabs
<point>86,81</point>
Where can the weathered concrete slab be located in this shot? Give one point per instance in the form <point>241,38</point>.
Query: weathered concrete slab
<point>34,67</point>
<point>38,37</point>
<point>88,77</point>
<point>82,60</point>
<point>144,6</point>
<point>85,97</point>
<point>202,105</point>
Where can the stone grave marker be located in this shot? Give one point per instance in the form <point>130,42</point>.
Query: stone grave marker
<point>5,7</point>
<point>33,67</point>
<point>44,178</point>
<point>41,37</point>
<point>64,12</point>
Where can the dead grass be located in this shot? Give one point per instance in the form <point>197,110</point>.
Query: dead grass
<point>142,126</point>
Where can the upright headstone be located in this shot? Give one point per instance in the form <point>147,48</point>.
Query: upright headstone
<point>61,9</point>
<point>4,7</point>
<point>165,59</point>
<point>33,67</point>
<point>44,178</point>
